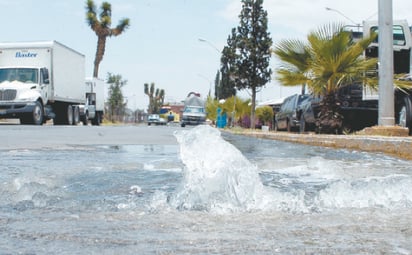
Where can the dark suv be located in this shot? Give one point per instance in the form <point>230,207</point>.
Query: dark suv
<point>287,117</point>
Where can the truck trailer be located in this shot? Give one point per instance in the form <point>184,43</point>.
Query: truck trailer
<point>40,81</point>
<point>360,104</point>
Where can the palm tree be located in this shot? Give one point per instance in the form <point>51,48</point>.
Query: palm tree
<point>295,56</point>
<point>329,61</point>
<point>101,26</point>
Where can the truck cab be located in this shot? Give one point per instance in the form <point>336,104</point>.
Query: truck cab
<point>23,92</point>
<point>93,108</point>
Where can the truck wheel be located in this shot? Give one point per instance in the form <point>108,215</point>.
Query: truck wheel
<point>37,114</point>
<point>97,119</point>
<point>76,115</point>
<point>85,119</point>
<point>405,114</point>
<point>69,115</point>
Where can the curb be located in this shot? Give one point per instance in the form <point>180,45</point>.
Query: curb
<point>400,147</point>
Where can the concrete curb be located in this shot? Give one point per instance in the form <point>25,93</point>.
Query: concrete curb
<point>395,146</point>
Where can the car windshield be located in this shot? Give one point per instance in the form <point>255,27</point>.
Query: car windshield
<point>27,75</point>
<point>194,109</point>
<point>153,116</point>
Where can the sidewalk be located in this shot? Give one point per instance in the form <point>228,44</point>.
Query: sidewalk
<point>392,145</point>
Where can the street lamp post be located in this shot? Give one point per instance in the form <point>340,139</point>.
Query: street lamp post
<point>217,50</point>
<point>210,44</point>
<point>210,82</point>
<point>343,15</point>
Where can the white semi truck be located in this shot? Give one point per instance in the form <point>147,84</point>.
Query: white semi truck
<point>93,109</point>
<point>41,81</point>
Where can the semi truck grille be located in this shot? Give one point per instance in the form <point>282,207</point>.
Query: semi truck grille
<point>8,94</point>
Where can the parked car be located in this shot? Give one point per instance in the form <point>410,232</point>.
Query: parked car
<point>156,120</point>
<point>287,116</point>
<point>307,113</point>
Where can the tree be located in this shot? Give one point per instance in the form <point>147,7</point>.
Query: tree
<point>228,68</point>
<point>101,26</point>
<point>218,85</point>
<point>265,114</point>
<point>156,97</point>
<point>334,61</point>
<point>233,106</point>
<point>253,54</point>
<point>116,99</point>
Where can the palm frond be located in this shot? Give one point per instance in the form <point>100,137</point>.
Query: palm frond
<point>402,83</point>
<point>291,78</point>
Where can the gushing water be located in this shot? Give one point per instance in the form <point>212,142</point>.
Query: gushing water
<point>213,193</point>
<point>218,177</point>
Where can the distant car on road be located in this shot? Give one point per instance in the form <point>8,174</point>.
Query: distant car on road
<point>155,119</point>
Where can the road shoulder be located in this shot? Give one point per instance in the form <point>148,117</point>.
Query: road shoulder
<point>395,146</point>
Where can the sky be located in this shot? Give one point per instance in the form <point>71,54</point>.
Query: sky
<point>162,44</point>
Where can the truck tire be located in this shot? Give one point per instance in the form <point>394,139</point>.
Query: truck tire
<point>36,117</point>
<point>405,114</point>
<point>76,115</point>
<point>85,119</point>
<point>69,115</point>
<point>37,114</point>
<point>97,119</point>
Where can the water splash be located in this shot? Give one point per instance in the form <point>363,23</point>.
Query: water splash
<point>217,177</point>
<point>391,192</point>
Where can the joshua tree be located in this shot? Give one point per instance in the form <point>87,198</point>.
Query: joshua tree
<point>100,24</point>
<point>156,97</point>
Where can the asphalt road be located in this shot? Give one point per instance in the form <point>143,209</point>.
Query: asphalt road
<point>14,136</point>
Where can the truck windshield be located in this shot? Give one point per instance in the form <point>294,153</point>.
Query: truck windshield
<point>398,35</point>
<point>27,75</point>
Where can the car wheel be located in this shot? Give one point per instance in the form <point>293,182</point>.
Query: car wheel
<point>289,126</point>
<point>302,124</point>
<point>405,114</point>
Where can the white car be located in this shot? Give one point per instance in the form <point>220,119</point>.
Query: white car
<point>156,120</point>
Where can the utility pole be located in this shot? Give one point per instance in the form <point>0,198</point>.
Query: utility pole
<point>386,91</point>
